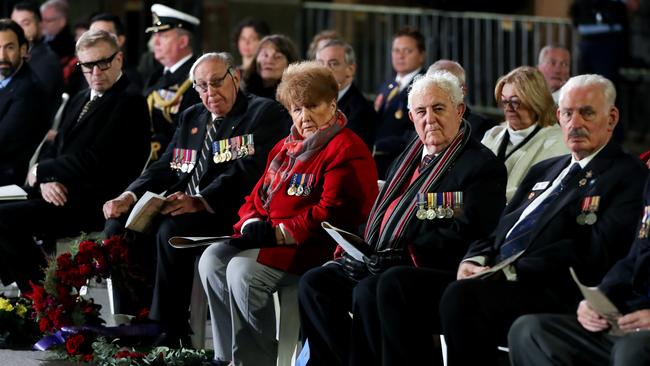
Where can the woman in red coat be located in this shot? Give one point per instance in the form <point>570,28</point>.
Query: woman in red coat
<point>320,172</point>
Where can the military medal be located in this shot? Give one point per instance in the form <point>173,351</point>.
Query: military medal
<point>237,149</point>
<point>399,113</point>
<point>215,152</point>
<point>292,188</point>
<point>591,217</point>
<point>310,181</point>
<point>440,207</point>
<point>582,182</point>
<point>185,158</point>
<point>449,211</point>
<point>251,144</point>
<point>226,150</point>
<point>300,190</point>
<point>645,223</point>
<point>458,201</point>
<point>431,211</point>
<point>172,163</point>
<point>192,162</point>
<point>421,213</point>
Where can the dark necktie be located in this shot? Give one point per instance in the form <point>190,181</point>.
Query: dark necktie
<point>86,107</point>
<point>425,161</point>
<point>202,164</point>
<point>518,238</point>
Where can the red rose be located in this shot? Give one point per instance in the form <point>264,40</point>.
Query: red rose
<point>87,246</point>
<point>64,261</point>
<point>85,270</point>
<point>123,354</point>
<point>87,357</point>
<point>44,325</point>
<point>74,343</point>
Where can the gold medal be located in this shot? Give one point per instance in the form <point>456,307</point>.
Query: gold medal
<point>399,113</point>
<point>228,155</point>
<point>291,191</point>
<point>431,214</point>
<point>216,158</point>
<point>421,214</point>
<point>582,182</point>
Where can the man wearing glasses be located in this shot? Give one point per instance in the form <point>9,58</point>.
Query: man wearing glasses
<point>214,159</point>
<point>102,145</point>
<point>168,90</point>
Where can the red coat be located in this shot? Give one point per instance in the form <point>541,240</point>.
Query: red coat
<point>344,189</point>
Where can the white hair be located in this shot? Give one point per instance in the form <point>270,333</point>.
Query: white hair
<point>451,66</point>
<point>224,57</point>
<point>605,85</point>
<point>441,79</point>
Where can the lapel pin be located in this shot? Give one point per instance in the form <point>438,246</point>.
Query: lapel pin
<point>582,182</point>
<point>194,130</point>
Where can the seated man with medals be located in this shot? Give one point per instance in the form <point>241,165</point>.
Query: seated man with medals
<point>321,172</point>
<point>569,211</point>
<point>594,338</point>
<point>214,159</point>
<point>443,192</point>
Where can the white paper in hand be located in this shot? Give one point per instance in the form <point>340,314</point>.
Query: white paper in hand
<point>352,244</point>
<point>181,242</point>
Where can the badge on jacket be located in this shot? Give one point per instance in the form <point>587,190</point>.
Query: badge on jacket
<point>302,184</point>
<point>234,148</point>
<point>588,209</point>
<point>183,160</point>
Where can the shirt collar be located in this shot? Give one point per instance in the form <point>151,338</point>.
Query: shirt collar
<point>5,82</point>
<point>343,91</point>
<point>177,65</point>
<point>587,159</point>
<point>405,80</point>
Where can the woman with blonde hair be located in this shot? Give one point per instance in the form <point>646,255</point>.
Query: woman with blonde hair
<point>530,132</point>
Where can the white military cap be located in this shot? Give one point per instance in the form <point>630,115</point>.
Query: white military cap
<point>166,18</point>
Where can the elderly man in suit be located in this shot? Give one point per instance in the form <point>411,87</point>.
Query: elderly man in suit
<point>444,191</point>
<point>569,211</point>
<point>339,57</point>
<point>551,339</point>
<point>21,125</point>
<point>168,89</point>
<point>102,145</point>
<point>204,193</point>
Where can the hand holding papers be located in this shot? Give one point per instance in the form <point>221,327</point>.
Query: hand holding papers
<point>12,192</point>
<point>352,244</point>
<point>147,207</point>
<point>599,303</point>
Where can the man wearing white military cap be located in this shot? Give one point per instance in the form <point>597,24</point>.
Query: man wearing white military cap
<point>169,90</point>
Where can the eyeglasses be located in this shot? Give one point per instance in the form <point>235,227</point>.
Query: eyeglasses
<point>214,84</point>
<point>513,103</point>
<point>103,64</point>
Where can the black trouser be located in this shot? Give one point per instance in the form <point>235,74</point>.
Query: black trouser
<point>174,268</point>
<point>326,298</point>
<point>552,339</point>
<point>408,301</point>
<point>477,314</point>
<point>21,260</point>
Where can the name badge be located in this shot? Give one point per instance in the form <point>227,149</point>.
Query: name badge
<point>540,185</point>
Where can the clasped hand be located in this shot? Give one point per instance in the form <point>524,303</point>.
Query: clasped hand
<point>256,234</point>
<point>54,193</point>
<point>374,264</point>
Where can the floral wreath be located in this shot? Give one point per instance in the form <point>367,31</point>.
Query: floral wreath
<point>71,324</point>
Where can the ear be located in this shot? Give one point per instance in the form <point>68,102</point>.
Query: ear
<point>460,111</point>
<point>411,116</point>
<point>236,75</point>
<point>184,41</point>
<point>350,70</point>
<point>612,118</point>
<point>23,51</point>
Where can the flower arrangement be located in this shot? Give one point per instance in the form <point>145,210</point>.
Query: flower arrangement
<point>58,303</point>
<point>17,327</point>
<point>67,318</point>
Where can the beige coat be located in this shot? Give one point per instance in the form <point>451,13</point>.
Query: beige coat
<point>547,143</point>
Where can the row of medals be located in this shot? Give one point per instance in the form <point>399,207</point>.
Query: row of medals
<point>588,214</point>
<point>298,190</point>
<point>230,154</point>
<point>431,213</point>
<point>184,165</point>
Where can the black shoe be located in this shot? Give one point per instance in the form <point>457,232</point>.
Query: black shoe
<point>173,340</point>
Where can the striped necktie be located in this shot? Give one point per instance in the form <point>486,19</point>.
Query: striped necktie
<point>518,238</point>
<point>202,165</point>
<point>86,107</point>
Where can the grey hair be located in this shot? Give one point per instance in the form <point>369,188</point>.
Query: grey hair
<point>61,6</point>
<point>605,85</point>
<point>451,66</point>
<point>349,56</point>
<point>546,49</point>
<point>92,37</point>
<point>444,80</point>
<point>224,57</point>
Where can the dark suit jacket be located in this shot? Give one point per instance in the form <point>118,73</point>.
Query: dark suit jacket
<point>22,124</point>
<point>63,44</point>
<point>480,123</point>
<point>223,185</point>
<point>97,157</point>
<point>441,243</point>
<point>558,241</point>
<point>362,118</point>
<point>393,133</point>
<point>162,129</point>
<point>45,64</point>
<point>627,284</point>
